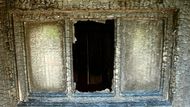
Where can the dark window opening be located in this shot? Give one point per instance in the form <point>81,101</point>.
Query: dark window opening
<point>93,55</point>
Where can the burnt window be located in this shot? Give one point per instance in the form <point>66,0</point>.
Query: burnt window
<point>93,55</point>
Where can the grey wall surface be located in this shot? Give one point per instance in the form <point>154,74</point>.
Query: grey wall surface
<point>7,73</point>
<point>182,62</point>
<point>7,57</point>
<point>182,93</point>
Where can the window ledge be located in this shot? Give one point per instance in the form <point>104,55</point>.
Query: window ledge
<point>93,103</point>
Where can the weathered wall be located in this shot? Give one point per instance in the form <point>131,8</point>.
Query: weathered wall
<point>182,94</point>
<point>182,64</point>
<point>7,58</point>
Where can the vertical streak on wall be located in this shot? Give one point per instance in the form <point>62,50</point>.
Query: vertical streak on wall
<point>68,41</point>
<point>117,59</point>
<point>20,57</point>
<point>3,93</point>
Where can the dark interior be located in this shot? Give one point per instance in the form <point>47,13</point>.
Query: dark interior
<point>93,55</point>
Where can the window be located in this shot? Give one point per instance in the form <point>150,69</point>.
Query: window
<point>93,55</point>
<point>128,53</point>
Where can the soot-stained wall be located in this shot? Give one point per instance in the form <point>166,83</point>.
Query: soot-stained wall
<point>8,76</point>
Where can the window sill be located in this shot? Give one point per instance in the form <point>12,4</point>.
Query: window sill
<point>110,103</point>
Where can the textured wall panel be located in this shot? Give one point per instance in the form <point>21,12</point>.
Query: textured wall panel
<point>142,55</point>
<point>46,58</point>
